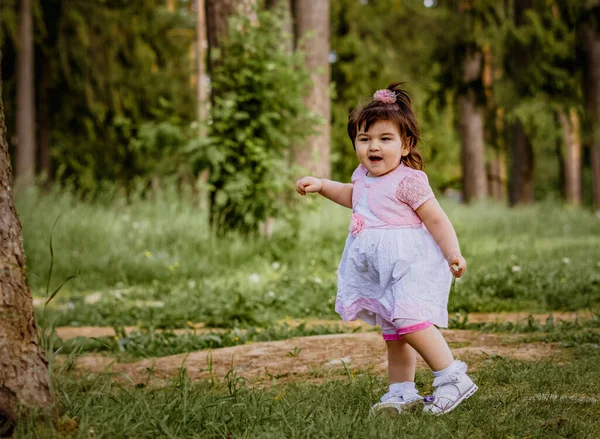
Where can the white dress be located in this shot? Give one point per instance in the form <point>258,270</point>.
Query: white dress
<point>392,272</point>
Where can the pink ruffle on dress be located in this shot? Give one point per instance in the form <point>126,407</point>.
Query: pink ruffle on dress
<point>391,267</point>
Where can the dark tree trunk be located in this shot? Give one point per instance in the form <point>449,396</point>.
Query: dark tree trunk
<point>571,156</point>
<point>497,176</point>
<point>43,111</point>
<point>24,378</point>
<point>591,41</point>
<point>25,160</point>
<point>521,179</point>
<point>472,131</point>
<point>521,187</point>
<point>311,29</point>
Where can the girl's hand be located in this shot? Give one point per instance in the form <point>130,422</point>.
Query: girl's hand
<point>457,264</point>
<point>308,184</point>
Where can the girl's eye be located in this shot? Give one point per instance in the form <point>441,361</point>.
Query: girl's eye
<point>385,138</point>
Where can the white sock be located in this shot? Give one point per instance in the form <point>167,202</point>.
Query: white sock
<point>403,388</point>
<point>446,371</point>
<point>456,368</point>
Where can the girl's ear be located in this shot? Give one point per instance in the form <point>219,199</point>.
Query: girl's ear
<point>405,147</point>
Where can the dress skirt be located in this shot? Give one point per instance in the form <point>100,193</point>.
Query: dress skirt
<point>393,273</point>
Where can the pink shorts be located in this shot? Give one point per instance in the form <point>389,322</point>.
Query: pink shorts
<point>395,331</point>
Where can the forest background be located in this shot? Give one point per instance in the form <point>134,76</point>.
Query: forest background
<point>108,93</point>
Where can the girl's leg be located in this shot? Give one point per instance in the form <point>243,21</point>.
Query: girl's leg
<point>451,384</point>
<point>402,358</point>
<point>430,344</point>
<point>402,361</point>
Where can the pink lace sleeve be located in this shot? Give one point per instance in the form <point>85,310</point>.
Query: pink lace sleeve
<point>414,190</point>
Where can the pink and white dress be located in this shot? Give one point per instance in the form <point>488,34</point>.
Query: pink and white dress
<point>391,267</point>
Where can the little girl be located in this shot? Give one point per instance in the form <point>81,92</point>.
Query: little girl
<point>400,254</point>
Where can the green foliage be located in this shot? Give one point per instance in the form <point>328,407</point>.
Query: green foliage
<point>258,114</point>
<point>116,74</point>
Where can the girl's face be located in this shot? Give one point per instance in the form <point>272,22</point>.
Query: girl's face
<point>380,150</point>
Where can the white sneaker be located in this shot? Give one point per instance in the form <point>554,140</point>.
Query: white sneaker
<point>398,402</point>
<point>449,391</point>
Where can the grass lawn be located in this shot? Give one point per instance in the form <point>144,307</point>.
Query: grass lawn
<point>534,399</point>
<point>156,266</point>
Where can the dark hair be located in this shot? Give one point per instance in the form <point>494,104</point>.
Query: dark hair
<point>400,113</point>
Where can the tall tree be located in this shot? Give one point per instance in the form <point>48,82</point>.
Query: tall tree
<point>25,160</point>
<point>591,42</point>
<point>24,378</point>
<point>311,29</point>
<point>569,122</point>
<point>471,122</point>
<point>521,187</point>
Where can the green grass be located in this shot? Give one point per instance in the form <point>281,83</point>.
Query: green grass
<point>157,266</point>
<point>156,262</point>
<point>512,402</point>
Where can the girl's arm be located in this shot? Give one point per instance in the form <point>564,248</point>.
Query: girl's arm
<point>340,193</point>
<point>440,227</point>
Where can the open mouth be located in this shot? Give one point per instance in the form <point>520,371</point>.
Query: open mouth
<point>375,158</point>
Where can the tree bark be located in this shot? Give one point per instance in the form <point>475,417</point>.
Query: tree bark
<point>571,155</point>
<point>521,187</point>
<point>498,163</point>
<point>591,41</point>
<point>24,378</point>
<point>472,151</point>
<point>25,160</point>
<point>44,128</point>
<point>521,181</point>
<point>472,132</point>
<point>311,29</point>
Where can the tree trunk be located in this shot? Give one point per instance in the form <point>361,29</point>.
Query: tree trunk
<point>201,94</point>
<point>571,155</point>
<point>472,132</point>
<point>498,163</point>
<point>311,29</point>
<point>25,160</point>
<point>591,41</point>
<point>44,128</point>
<point>472,151</point>
<point>201,97</point>
<point>521,180</point>
<point>24,378</point>
<point>521,185</point>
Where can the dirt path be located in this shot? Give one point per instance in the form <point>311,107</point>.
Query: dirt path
<point>67,333</point>
<point>308,358</point>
